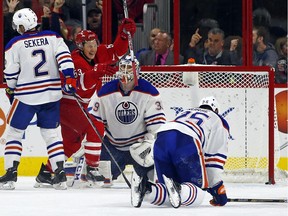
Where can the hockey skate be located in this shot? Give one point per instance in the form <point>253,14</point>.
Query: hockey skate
<point>139,187</point>
<point>93,177</point>
<point>59,180</point>
<point>173,190</point>
<point>7,182</point>
<point>44,178</point>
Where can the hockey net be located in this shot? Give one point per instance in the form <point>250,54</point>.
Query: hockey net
<point>244,96</point>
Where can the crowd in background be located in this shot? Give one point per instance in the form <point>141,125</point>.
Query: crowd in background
<point>209,43</point>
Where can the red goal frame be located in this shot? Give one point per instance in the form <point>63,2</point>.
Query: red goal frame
<point>271,86</point>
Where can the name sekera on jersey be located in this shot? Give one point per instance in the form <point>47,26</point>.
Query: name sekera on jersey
<point>36,42</point>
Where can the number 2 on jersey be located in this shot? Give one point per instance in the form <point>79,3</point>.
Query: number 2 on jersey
<point>37,68</point>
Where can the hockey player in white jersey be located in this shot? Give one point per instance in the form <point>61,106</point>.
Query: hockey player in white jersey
<point>189,155</point>
<point>32,64</point>
<point>131,115</point>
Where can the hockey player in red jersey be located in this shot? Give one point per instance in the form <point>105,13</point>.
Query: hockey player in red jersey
<point>92,61</point>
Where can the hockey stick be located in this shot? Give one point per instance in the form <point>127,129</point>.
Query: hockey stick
<point>100,137</point>
<point>130,45</point>
<point>257,200</point>
<point>78,172</point>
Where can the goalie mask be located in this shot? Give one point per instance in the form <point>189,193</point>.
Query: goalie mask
<point>25,17</point>
<point>211,102</point>
<point>125,73</point>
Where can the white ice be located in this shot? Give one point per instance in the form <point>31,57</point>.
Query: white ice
<point>28,201</point>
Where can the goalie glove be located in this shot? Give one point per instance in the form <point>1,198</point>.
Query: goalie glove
<point>219,194</point>
<point>142,153</point>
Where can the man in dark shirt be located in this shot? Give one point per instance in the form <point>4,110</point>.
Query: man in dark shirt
<point>214,53</point>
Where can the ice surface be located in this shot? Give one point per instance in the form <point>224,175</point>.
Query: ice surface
<point>28,201</point>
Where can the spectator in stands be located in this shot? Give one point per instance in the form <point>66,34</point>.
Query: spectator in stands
<point>9,7</point>
<point>99,4</point>
<point>151,39</point>
<point>281,46</point>
<point>198,40</point>
<point>75,29</point>
<point>264,53</point>
<point>94,22</point>
<point>213,51</point>
<point>234,44</point>
<point>161,53</point>
<point>52,19</point>
<point>261,17</point>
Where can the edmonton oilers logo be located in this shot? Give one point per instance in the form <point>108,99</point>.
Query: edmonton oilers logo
<point>126,112</point>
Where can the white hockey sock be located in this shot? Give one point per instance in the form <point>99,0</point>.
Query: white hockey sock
<point>158,195</point>
<point>13,148</point>
<point>54,146</point>
<point>191,195</point>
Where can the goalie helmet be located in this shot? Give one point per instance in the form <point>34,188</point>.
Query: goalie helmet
<point>25,17</point>
<point>211,102</point>
<point>84,36</point>
<point>125,73</point>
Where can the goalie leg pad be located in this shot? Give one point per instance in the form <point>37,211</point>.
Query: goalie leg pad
<point>105,170</point>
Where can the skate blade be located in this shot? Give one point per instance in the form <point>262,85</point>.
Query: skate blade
<point>107,185</point>
<point>174,196</point>
<point>96,184</point>
<point>10,185</point>
<point>60,186</point>
<point>42,185</point>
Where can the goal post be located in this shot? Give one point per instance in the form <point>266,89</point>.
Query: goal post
<point>246,97</point>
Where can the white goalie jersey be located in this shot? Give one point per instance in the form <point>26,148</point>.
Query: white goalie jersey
<point>41,56</point>
<point>128,117</point>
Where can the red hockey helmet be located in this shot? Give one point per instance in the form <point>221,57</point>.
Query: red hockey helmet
<point>84,36</point>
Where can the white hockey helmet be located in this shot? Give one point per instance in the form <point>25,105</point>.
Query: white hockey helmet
<point>211,102</point>
<point>25,17</point>
<point>125,74</point>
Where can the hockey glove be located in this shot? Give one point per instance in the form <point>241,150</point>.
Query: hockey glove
<point>127,25</point>
<point>70,85</point>
<point>10,94</point>
<point>104,69</point>
<point>219,194</point>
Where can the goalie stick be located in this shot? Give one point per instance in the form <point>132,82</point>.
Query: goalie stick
<point>257,200</point>
<point>78,172</point>
<point>130,45</point>
<point>100,137</point>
